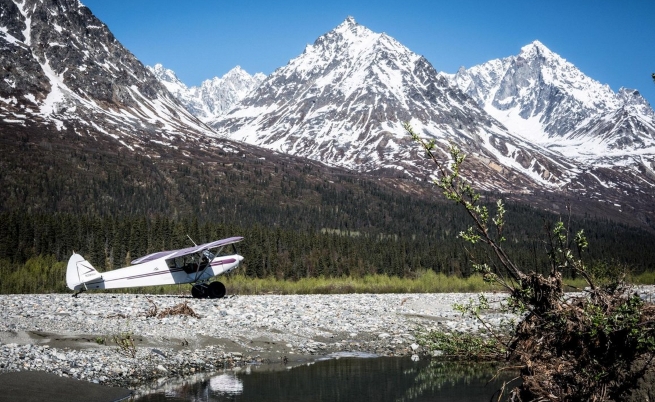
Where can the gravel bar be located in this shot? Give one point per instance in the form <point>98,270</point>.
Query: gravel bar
<point>73,337</point>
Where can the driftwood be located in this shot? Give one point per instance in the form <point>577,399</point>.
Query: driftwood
<point>593,347</point>
<point>178,309</point>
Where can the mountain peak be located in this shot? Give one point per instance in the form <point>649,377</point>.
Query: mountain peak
<point>164,74</point>
<point>214,96</point>
<point>96,85</point>
<point>536,48</point>
<point>632,99</point>
<point>349,29</point>
<point>236,72</point>
<point>348,23</point>
<point>546,99</point>
<point>343,102</point>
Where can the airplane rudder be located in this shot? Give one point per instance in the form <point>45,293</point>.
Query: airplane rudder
<point>72,276</point>
<point>79,271</point>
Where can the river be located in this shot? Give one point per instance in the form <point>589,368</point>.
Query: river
<point>378,379</point>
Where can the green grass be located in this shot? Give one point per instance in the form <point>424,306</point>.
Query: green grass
<point>425,282</point>
<point>45,275</point>
<point>645,278</point>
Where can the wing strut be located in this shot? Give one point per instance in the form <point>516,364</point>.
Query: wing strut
<point>204,254</point>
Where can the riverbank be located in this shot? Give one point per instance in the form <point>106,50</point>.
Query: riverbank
<point>74,337</point>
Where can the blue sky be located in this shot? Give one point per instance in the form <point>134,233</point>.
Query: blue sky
<point>610,41</point>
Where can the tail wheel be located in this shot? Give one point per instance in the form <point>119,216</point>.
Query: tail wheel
<point>199,291</point>
<point>216,290</point>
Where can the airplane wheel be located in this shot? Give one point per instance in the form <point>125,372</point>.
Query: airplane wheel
<point>199,291</point>
<point>216,290</point>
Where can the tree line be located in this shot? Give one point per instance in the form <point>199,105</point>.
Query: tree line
<point>34,247</point>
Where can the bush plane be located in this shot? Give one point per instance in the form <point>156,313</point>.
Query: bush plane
<point>196,265</point>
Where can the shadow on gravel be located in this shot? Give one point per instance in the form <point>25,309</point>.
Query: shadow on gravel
<point>38,386</point>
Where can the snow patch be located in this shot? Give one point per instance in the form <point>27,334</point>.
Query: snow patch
<point>31,98</point>
<point>28,22</point>
<point>9,101</point>
<point>56,94</point>
<point>8,37</point>
<point>14,121</point>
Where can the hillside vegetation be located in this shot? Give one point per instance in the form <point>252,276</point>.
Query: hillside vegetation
<point>299,219</point>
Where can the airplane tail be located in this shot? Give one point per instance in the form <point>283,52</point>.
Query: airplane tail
<point>79,272</point>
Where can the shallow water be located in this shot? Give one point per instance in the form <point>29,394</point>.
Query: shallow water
<point>344,379</point>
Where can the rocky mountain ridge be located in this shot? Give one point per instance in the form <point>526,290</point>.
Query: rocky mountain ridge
<point>63,68</point>
<point>213,97</point>
<point>343,101</point>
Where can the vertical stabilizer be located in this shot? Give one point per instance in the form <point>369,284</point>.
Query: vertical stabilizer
<point>79,272</point>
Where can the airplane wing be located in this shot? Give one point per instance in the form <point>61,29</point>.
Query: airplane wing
<point>185,251</point>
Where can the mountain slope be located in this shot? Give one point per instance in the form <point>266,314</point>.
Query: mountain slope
<point>212,98</point>
<point>62,67</point>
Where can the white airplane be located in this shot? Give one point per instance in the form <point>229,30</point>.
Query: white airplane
<point>196,265</point>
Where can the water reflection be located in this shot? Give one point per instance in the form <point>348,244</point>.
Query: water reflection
<point>345,379</point>
<point>448,379</point>
<point>227,383</point>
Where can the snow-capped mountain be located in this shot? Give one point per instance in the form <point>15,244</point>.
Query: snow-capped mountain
<point>212,98</point>
<point>343,101</point>
<point>546,99</point>
<point>62,67</point>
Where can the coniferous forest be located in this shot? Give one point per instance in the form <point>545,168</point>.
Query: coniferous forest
<point>34,248</point>
<point>298,218</point>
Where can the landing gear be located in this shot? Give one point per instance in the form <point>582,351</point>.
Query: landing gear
<point>77,293</point>
<point>215,290</point>
<point>199,291</point>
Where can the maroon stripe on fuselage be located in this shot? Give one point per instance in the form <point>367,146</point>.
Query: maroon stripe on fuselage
<point>228,261</point>
<point>171,271</point>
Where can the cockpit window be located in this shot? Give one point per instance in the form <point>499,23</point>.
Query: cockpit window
<point>191,263</point>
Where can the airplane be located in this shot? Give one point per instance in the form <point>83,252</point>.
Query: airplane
<point>195,265</point>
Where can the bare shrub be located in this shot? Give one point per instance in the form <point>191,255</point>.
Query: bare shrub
<point>591,347</point>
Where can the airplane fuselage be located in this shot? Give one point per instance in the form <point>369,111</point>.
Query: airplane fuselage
<point>195,265</point>
<point>160,272</point>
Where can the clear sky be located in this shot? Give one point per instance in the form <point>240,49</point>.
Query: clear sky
<point>612,41</point>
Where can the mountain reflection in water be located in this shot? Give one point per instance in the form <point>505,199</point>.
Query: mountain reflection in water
<point>346,379</point>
